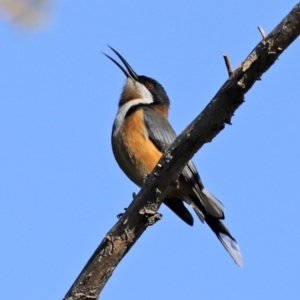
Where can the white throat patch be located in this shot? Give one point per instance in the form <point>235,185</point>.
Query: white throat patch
<point>145,98</point>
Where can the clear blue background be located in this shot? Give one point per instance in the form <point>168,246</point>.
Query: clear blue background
<point>61,189</point>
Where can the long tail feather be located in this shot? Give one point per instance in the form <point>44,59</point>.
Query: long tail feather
<point>177,206</point>
<point>212,203</point>
<point>226,239</point>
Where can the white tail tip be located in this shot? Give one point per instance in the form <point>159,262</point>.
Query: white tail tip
<point>232,247</point>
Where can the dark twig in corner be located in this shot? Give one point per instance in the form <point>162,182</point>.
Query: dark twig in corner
<point>203,129</point>
<point>228,65</point>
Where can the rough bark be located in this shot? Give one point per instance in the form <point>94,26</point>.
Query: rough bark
<point>142,212</point>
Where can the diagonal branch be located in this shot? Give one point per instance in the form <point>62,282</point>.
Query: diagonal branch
<point>142,212</point>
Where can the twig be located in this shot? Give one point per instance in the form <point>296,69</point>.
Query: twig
<point>228,65</point>
<point>262,32</point>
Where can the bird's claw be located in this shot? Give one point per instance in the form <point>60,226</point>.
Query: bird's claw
<point>120,215</point>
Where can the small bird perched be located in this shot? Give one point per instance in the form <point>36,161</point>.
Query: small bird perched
<point>141,133</point>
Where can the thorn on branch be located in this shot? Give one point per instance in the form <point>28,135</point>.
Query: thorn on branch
<point>228,121</point>
<point>228,65</point>
<point>262,32</point>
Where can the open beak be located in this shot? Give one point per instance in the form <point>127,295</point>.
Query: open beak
<point>129,72</point>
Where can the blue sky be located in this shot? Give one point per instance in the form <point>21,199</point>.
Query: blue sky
<point>61,189</point>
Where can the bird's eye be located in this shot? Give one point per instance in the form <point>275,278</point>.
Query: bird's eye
<point>149,85</point>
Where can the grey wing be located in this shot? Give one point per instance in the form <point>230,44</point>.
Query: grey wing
<point>162,135</point>
<point>159,129</point>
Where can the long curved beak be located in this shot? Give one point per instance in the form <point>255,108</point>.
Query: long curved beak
<point>129,72</point>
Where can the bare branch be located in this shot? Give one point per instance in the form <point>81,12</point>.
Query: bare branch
<point>228,65</point>
<point>143,209</point>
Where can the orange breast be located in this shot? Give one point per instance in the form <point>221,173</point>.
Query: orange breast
<point>138,155</point>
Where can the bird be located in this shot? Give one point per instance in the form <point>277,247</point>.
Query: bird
<point>141,133</point>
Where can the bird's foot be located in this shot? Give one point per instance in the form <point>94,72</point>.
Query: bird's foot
<point>120,215</point>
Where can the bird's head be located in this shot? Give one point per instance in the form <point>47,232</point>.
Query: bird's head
<point>139,88</point>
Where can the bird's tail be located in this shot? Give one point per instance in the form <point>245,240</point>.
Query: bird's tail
<point>225,238</point>
<point>214,212</point>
